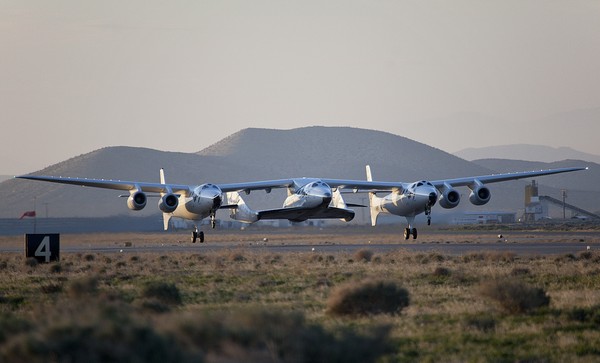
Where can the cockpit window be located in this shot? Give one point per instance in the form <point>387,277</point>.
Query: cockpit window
<point>419,184</point>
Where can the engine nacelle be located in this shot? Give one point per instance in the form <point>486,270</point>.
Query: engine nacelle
<point>137,201</point>
<point>168,203</point>
<point>480,195</point>
<point>449,198</point>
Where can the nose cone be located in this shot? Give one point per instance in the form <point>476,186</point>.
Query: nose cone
<point>217,202</point>
<point>326,201</point>
<point>432,199</point>
<point>325,193</point>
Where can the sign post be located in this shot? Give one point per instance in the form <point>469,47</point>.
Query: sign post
<point>43,247</point>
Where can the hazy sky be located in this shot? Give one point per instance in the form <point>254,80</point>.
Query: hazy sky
<point>76,76</point>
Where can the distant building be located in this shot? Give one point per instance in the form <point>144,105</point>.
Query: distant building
<point>485,218</point>
<point>546,207</point>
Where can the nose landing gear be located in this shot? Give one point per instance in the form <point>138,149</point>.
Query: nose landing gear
<point>197,235</point>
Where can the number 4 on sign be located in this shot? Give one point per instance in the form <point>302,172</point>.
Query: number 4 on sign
<point>43,249</point>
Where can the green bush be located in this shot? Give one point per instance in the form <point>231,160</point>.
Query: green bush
<point>260,335</point>
<point>84,286</point>
<point>367,298</point>
<point>515,296</point>
<point>164,292</point>
<point>93,334</point>
<point>363,255</point>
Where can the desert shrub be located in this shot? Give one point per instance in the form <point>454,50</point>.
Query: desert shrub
<point>56,268</point>
<point>368,297</point>
<point>481,322</point>
<point>94,334</point>
<point>261,335</point>
<point>164,292</point>
<point>83,286</point>
<point>585,315</point>
<point>520,271</point>
<point>89,257</point>
<point>236,257</point>
<point>441,272</point>
<point>363,255</point>
<point>51,288</point>
<point>492,256</point>
<point>31,262</point>
<point>11,325</point>
<point>515,296</point>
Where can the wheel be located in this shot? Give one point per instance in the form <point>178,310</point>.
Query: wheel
<point>406,233</point>
<point>201,235</point>
<point>429,221</point>
<point>194,236</point>
<point>414,233</point>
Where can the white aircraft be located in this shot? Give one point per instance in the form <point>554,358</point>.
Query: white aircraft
<point>308,198</point>
<point>321,198</point>
<point>411,199</point>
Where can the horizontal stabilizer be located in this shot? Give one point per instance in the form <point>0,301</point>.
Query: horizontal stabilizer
<point>356,205</point>
<point>299,214</point>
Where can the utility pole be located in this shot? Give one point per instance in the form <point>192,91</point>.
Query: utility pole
<point>34,216</point>
<point>564,197</point>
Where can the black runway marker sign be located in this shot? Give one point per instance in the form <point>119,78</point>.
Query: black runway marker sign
<point>43,247</point>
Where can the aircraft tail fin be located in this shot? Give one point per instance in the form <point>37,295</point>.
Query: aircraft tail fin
<point>166,216</point>
<point>338,202</point>
<point>374,201</point>
<point>241,212</point>
<point>162,176</point>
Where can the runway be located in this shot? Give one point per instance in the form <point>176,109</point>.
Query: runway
<point>550,248</point>
<point>326,241</point>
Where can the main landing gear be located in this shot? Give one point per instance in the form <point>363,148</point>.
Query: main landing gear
<point>410,231</point>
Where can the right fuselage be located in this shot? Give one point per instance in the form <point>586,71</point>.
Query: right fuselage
<point>411,200</point>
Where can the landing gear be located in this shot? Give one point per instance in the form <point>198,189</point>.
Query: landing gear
<point>213,223</point>
<point>410,231</point>
<point>197,235</point>
<point>428,214</point>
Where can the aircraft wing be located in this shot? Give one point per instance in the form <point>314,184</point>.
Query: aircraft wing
<point>113,184</point>
<point>363,185</point>
<point>495,178</point>
<point>302,214</point>
<point>377,186</point>
<point>258,185</point>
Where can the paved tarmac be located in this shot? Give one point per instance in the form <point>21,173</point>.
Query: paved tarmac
<point>537,248</point>
<point>342,240</point>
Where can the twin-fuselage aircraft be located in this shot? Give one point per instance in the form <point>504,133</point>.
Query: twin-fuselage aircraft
<point>308,198</point>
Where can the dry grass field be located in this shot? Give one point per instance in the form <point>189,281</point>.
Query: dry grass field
<point>239,304</point>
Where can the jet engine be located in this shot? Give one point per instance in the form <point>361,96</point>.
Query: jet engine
<point>136,201</point>
<point>168,203</point>
<point>480,195</point>
<point>449,198</point>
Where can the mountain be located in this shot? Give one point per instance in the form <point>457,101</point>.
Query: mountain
<point>526,152</point>
<point>257,154</point>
